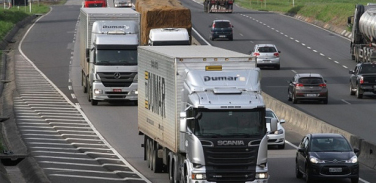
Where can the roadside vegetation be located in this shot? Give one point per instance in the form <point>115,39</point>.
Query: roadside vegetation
<point>334,12</point>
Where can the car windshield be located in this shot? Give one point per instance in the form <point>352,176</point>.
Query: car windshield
<point>310,80</point>
<point>222,24</point>
<point>330,144</point>
<point>116,57</point>
<point>235,123</point>
<point>267,49</point>
<point>270,114</point>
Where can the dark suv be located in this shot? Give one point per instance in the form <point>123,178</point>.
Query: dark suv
<point>221,29</point>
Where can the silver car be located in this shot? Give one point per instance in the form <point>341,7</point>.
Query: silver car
<point>267,55</point>
<point>277,137</point>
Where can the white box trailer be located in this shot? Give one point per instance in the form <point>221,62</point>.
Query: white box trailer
<point>180,86</point>
<point>110,35</point>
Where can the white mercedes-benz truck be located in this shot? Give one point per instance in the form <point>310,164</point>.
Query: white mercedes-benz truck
<point>108,53</point>
<point>203,116</point>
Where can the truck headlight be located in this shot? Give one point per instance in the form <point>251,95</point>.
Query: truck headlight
<point>198,176</point>
<point>98,91</point>
<point>262,175</point>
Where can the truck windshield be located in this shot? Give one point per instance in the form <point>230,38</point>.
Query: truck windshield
<point>234,123</point>
<point>116,57</point>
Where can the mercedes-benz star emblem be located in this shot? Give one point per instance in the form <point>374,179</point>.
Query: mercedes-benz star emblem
<point>117,75</point>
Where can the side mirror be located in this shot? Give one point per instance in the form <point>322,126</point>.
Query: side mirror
<point>356,151</point>
<point>300,150</point>
<point>282,121</point>
<point>351,72</point>
<point>273,124</point>
<point>349,21</point>
<point>183,122</point>
<point>289,81</point>
<point>279,51</point>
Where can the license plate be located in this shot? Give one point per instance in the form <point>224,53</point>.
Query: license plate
<point>335,169</point>
<point>222,36</point>
<point>116,90</point>
<point>311,95</point>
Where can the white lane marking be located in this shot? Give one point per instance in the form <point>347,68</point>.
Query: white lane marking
<point>82,164</point>
<point>73,96</point>
<point>73,149</point>
<point>314,51</point>
<point>81,153</point>
<point>322,54</point>
<point>83,159</point>
<point>241,34</point>
<point>303,44</point>
<point>345,101</point>
<point>88,171</point>
<point>92,177</point>
<point>344,66</point>
<point>201,37</point>
<point>336,62</point>
<point>329,58</point>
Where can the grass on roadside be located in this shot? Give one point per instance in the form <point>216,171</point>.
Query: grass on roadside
<point>334,12</point>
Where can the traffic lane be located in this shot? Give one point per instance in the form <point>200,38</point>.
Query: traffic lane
<point>49,44</point>
<point>311,35</point>
<point>295,57</point>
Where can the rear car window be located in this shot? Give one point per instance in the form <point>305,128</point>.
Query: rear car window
<point>311,80</point>
<point>222,24</point>
<point>267,49</point>
<point>368,68</point>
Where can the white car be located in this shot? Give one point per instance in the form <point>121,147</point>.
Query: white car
<point>267,55</point>
<point>277,137</point>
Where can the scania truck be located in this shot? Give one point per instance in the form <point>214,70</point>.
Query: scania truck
<point>108,53</point>
<point>202,114</point>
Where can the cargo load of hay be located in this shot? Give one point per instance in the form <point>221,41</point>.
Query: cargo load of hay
<point>162,14</point>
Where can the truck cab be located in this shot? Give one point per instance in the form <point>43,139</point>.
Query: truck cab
<point>168,36</point>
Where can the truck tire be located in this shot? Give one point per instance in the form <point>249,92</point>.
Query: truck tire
<point>83,82</point>
<point>171,171</point>
<point>157,163</point>
<point>359,92</point>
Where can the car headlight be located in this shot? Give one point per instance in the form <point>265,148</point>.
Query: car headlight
<point>262,175</point>
<point>315,160</point>
<point>353,159</point>
<point>198,176</point>
<point>280,131</point>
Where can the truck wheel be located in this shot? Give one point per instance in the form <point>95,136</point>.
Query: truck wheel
<point>157,162</point>
<point>359,92</point>
<point>171,171</point>
<point>84,83</point>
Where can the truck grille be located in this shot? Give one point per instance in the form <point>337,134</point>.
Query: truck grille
<point>230,163</point>
<point>117,79</point>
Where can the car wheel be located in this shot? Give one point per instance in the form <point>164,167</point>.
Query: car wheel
<point>359,93</point>
<point>294,100</point>
<point>352,92</point>
<point>298,174</point>
<point>289,95</point>
<point>355,180</point>
<point>307,176</point>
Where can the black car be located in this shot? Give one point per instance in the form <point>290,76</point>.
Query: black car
<point>326,156</point>
<point>221,29</point>
<point>363,79</point>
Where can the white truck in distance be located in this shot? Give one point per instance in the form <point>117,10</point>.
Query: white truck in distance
<point>203,117</point>
<point>108,53</point>
<point>168,36</point>
<point>363,37</point>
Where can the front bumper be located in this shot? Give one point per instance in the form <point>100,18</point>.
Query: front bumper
<point>322,170</point>
<point>101,93</point>
<point>276,139</point>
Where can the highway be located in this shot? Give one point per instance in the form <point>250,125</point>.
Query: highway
<point>51,46</point>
